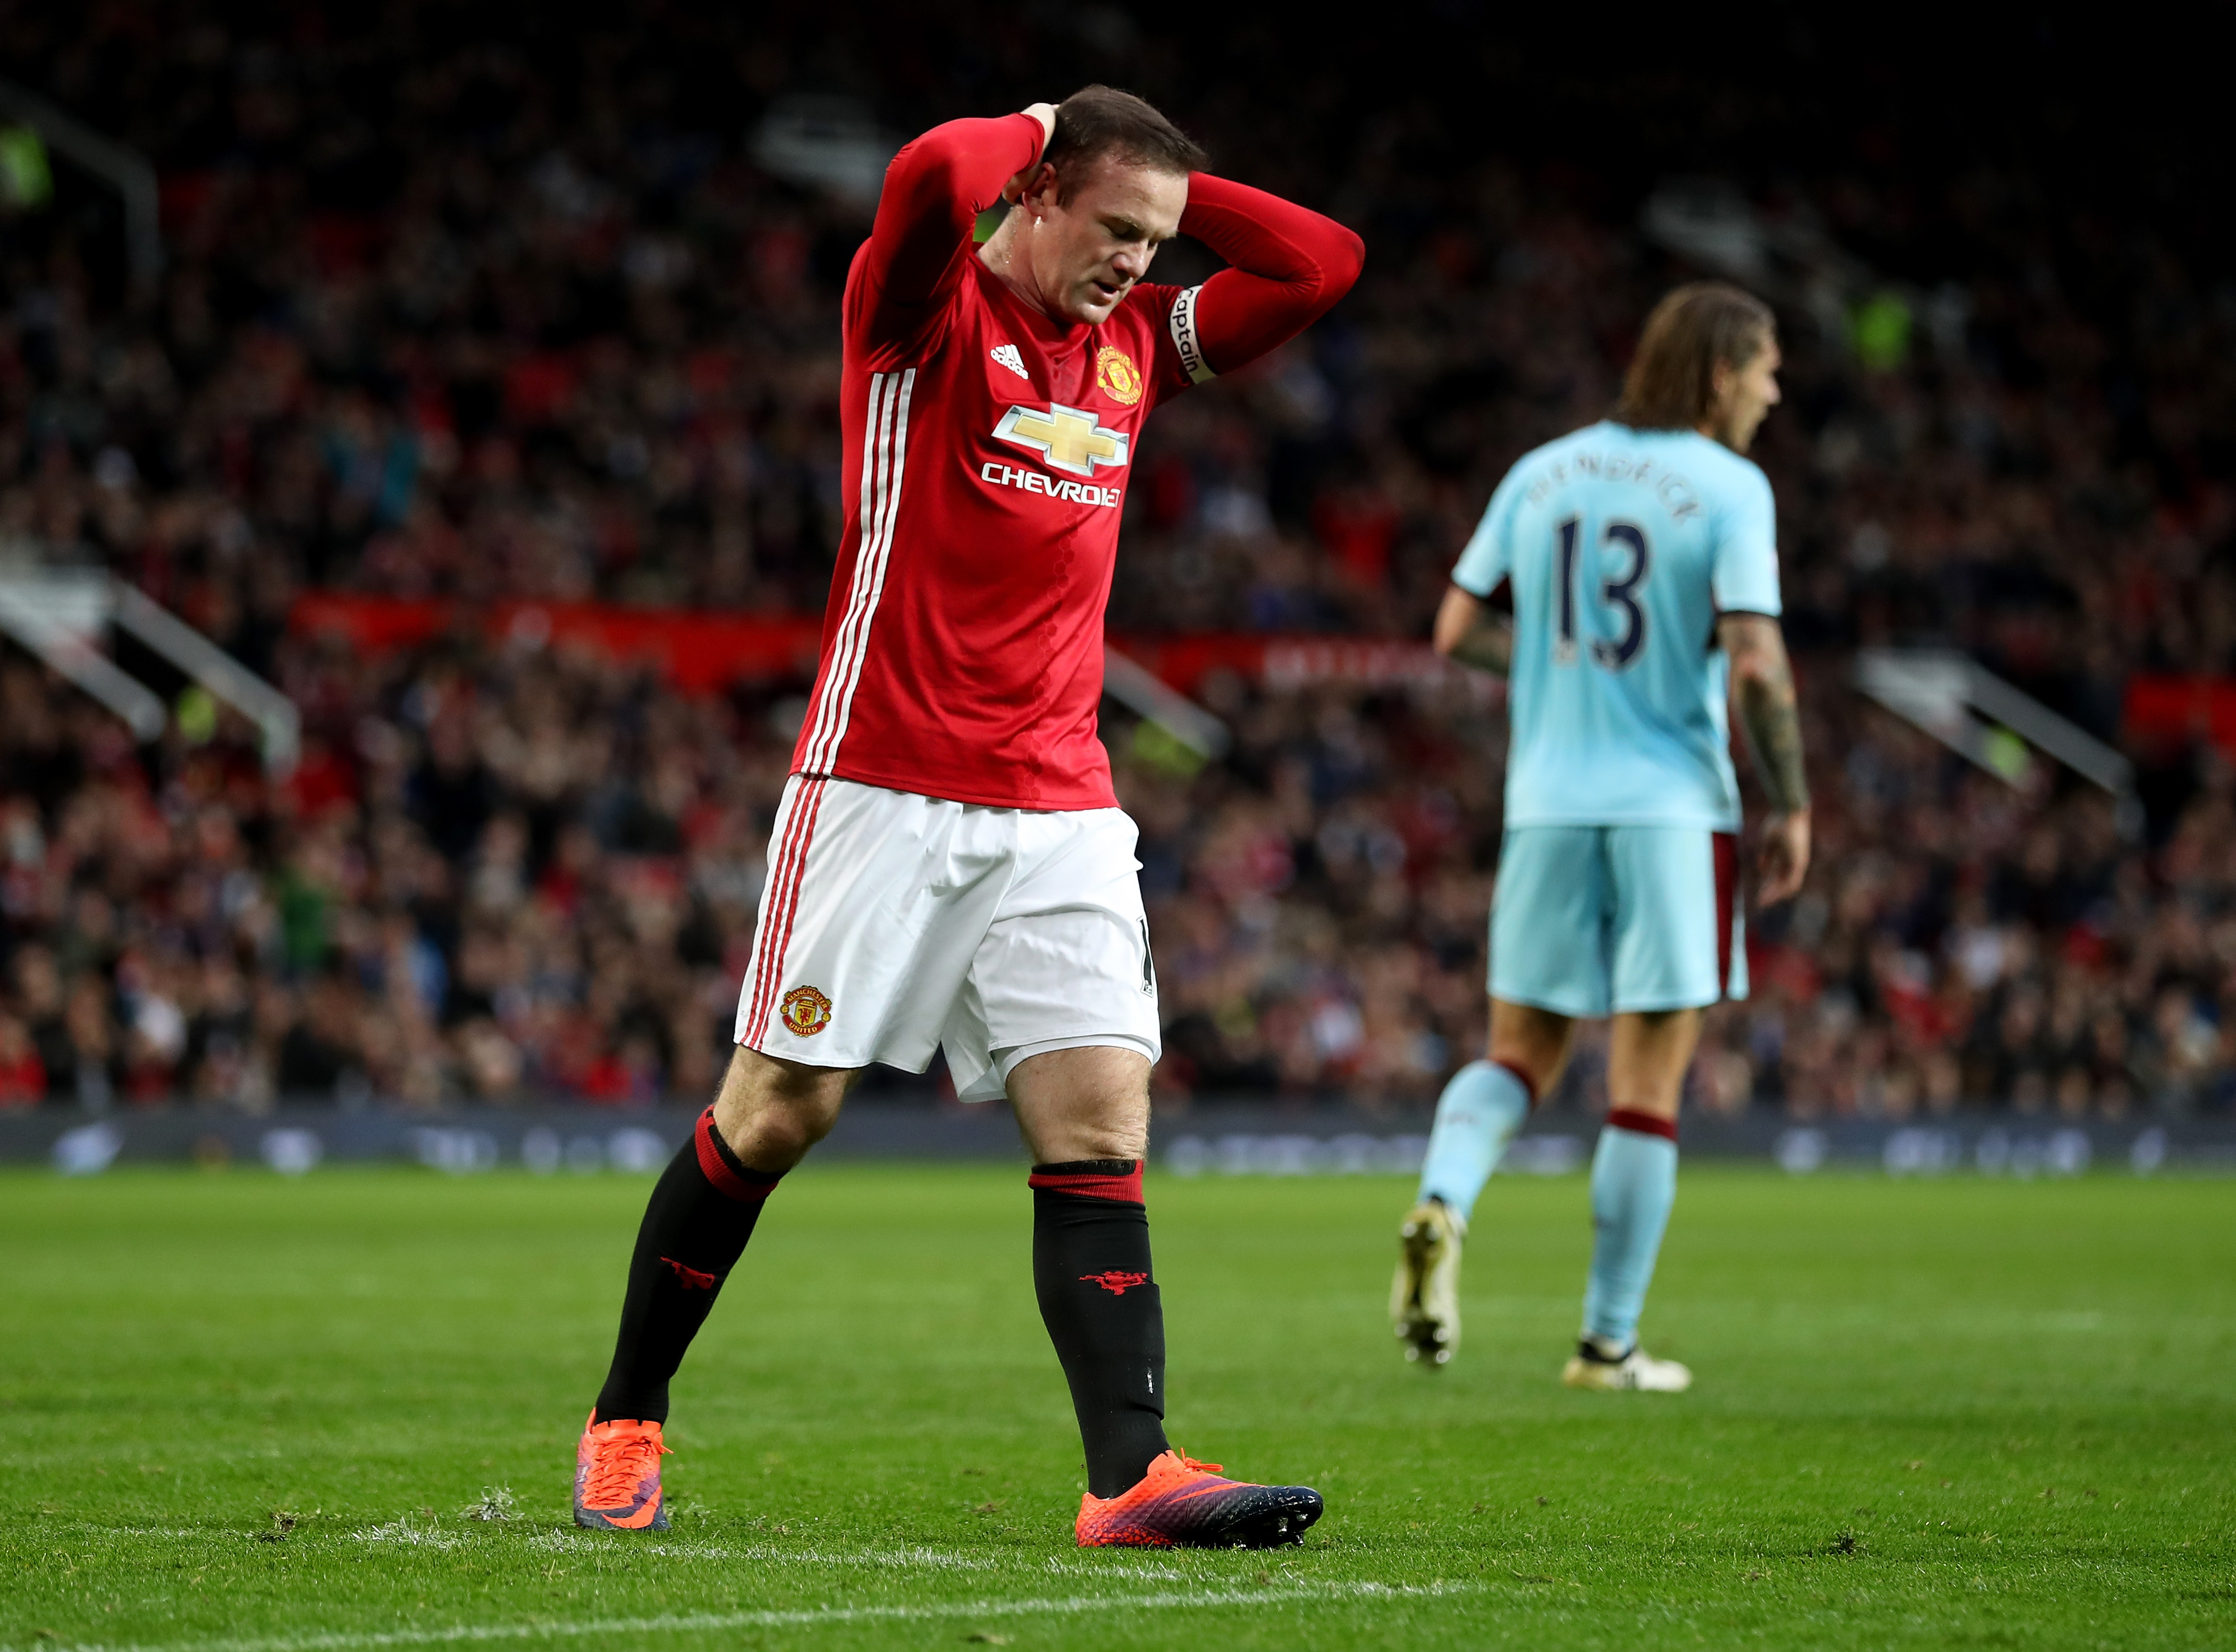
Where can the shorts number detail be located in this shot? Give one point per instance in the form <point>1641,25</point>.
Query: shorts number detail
<point>1609,653</point>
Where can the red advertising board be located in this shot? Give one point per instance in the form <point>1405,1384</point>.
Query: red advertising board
<point>704,652</point>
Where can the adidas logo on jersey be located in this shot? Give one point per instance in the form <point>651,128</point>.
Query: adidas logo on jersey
<point>1008,356</point>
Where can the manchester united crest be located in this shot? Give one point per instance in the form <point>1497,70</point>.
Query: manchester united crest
<point>806,1010</point>
<point>1116,372</point>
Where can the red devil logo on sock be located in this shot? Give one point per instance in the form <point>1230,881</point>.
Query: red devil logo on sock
<point>692,1278</point>
<point>1116,1283</point>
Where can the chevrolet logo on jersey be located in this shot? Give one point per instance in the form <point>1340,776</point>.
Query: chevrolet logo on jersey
<point>1073,440</point>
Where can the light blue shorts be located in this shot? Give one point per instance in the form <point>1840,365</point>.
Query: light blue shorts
<point>1591,920</point>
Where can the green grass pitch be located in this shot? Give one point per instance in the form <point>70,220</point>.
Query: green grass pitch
<point>1927,1414</point>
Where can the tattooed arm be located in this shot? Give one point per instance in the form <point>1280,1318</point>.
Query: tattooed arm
<point>1470,631</point>
<point>1762,694</point>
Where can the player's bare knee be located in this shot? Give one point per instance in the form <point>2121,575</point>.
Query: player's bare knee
<point>777,1136</point>
<point>1647,1054</point>
<point>1122,1131</point>
<point>1069,1141</point>
<point>1109,1126</point>
<point>1089,1102</point>
<point>770,1111</point>
<point>772,1132</point>
<point>1537,1065</point>
<point>1531,1042</point>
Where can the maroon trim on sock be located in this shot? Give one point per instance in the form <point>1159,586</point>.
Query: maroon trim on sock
<point>1093,1185</point>
<point>1640,1123</point>
<point>720,1166</point>
<point>1522,1078</point>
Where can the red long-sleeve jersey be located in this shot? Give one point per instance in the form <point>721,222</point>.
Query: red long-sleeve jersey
<point>987,449</point>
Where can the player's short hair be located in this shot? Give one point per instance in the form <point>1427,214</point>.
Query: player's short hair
<point>1100,121</point>
<point>1672,381</point>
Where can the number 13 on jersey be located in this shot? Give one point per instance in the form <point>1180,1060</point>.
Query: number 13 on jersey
<point>1621,593</point>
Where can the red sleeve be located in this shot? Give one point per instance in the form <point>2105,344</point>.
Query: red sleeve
<point>1289,266</point>
<point>934,191</point>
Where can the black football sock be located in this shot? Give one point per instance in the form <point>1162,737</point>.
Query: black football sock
<point>1091,1272</point>
<point>702,1212</point>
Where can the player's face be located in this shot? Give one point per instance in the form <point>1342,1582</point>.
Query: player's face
<point>1087,252</point>
<point>1745,396</point>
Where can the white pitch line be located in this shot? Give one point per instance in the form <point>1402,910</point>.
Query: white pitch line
<point>685,1622</point>
<point>565,1541</point>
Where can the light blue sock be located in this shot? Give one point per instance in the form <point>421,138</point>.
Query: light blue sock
<point>1634,1184</point>
<point>1476,1116</point>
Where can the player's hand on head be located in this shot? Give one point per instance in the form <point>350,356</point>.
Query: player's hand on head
<point>1782,862</point>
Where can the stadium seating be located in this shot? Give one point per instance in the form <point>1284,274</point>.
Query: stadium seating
<point>456,348</point>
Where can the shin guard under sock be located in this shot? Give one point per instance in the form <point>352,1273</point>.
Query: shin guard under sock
<point>703,1211</point>
<point>1485,1102</point>
<point>1091,1272</point>
<point>1634,1184</point>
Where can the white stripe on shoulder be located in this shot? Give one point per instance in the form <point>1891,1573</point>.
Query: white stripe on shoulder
<point>1186,340</point>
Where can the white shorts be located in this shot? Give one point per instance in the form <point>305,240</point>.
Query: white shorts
<point>893,924</point>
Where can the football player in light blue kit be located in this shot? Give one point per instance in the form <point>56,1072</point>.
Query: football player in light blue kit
<point>1642,558</point>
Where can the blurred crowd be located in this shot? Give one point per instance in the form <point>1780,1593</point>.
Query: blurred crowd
<point>509,876</point>
<point>448,316</point>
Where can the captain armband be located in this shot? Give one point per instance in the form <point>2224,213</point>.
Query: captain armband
<point>1187,341</point>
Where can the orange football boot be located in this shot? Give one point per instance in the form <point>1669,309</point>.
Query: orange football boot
<point>1182,1503</point>
<point>617,1477</point>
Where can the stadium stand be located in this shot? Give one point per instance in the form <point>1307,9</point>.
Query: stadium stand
<point>449,320</point>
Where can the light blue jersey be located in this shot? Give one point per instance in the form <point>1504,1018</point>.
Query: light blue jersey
<point>1622,546</point>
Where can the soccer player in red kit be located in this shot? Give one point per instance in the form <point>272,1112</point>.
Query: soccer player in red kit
<point>948,867</point>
